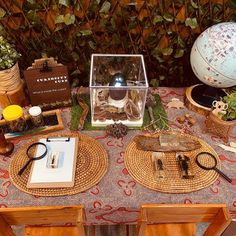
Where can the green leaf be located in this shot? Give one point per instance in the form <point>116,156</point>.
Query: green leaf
<point>31,1</point>
<point>65,2</point>
<point>98,1</point>
<point>77,6</point>
<point>179,53</point>
<point>232,4</point>
<point>59,19</point>
<point>168,17</point>
<point>59,27</point>
<point>157,19</point>
<point>162,77</point>
<point>75,56</point>
<point>76,72</point>
<point>194,5</point>
<point>92,45</point>
<point>132,24</point>
<point>105,7</point>
<point>85,32</point>
<point>154,82</point>
<point>167,51</point>
<point>181,42</point>
<point>156,54</point>
<point>69,19</point>
<point>191,22</point>
<point>2,12</point>
<point>116,39</point>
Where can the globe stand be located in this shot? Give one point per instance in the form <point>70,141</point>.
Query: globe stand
<point>199,98</point>
<point>205,95</point>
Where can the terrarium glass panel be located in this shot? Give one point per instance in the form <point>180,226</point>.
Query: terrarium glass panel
<point>118,89</point>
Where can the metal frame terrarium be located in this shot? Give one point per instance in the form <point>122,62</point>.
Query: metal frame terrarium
<point>118,89</point>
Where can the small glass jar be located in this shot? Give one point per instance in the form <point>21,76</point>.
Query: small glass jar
<point>14,116</point>
<point>36,116</point>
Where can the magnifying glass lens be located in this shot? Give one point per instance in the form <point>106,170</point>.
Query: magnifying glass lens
<point>206,161</point>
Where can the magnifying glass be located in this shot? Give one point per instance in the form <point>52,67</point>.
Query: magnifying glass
<point>207,161</point>
<point>42,153</point>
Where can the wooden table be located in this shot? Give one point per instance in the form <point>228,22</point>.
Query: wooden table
<point>117,198</point>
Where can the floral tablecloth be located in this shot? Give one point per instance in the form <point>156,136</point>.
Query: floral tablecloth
<point>117,197</point>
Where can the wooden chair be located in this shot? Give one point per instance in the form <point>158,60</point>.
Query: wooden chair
<point>180,219</point>
<point>37,220</point>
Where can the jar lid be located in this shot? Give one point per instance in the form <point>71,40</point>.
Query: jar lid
<point>12,112</point>
<point>35,111</point>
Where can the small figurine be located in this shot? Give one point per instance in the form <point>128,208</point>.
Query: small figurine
<point>175,103</point>
<point>219,108</point>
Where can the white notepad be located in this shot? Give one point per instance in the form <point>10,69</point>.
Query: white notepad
<point>41,176</point>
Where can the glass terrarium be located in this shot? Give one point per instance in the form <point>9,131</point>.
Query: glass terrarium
<point>118,89</point>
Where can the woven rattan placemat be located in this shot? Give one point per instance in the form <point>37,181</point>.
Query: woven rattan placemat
<point>91,166</point>
<point>141,168</point>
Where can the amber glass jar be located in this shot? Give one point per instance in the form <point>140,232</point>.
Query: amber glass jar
<point>14,117</point>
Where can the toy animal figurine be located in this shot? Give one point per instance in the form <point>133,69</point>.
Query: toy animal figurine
<point>175,103</point>
<point>219,108</point>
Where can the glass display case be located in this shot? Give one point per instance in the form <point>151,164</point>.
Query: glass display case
<point>118,89</point>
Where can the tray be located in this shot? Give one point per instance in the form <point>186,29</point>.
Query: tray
<point>38,130</point>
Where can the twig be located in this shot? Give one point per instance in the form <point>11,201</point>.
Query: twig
<point>150,111</point>
<point>84,114</point>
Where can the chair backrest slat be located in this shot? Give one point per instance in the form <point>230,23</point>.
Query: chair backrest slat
<point>217,214</point>
<point>180,212</point>
<point>42,215</point>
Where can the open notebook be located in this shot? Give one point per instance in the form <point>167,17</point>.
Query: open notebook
<point>44,174</point>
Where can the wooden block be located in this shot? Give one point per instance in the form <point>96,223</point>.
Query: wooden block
<point>4,100</point>
<point>16,97</point>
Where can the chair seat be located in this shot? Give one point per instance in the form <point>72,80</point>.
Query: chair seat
<point>187,229</point>
<point>52,231</point>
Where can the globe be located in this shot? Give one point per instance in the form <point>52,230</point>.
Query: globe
<point>213,55</point>
<point>213,61</point>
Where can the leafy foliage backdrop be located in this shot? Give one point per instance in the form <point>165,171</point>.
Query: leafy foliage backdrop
<point>71,30</point>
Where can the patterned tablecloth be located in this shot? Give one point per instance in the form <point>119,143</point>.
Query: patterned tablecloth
<point>117,198</point>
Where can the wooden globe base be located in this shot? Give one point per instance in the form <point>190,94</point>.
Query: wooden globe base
<point>193,105</point>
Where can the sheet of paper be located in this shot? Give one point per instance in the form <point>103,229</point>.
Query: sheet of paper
<point>64,173</point>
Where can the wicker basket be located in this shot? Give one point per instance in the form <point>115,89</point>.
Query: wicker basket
<point>12,88</point>
<point>219,127</point>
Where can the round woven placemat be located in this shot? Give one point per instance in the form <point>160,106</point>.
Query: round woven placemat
<point>91,166</point>
<point>141,168</point>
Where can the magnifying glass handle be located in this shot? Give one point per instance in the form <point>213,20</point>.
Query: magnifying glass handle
<point>223,175</point>
<point>24,167</point>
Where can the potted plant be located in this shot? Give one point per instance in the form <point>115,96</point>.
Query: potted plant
<point>230,100</point>
<point>11,85</point>
<point>222,118</point>
<point>9,70</point>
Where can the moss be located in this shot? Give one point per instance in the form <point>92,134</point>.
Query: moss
<point>158,112</point>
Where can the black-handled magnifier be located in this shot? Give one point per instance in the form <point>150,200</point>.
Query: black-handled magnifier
<point>33,158</point>
<point>207,161</point>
